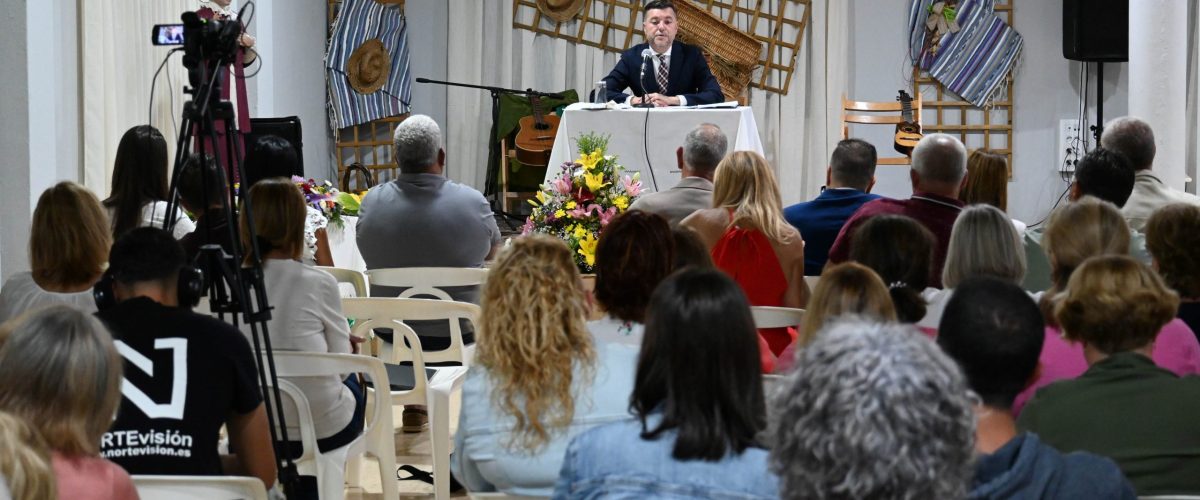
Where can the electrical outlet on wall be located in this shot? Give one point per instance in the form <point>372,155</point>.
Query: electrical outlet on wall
<point>1071,144</point>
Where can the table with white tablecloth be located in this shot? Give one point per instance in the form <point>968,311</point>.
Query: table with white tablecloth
<point>343,245</point>
<point>648,137</point>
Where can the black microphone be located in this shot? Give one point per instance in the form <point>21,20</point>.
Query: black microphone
<point>422,80</point>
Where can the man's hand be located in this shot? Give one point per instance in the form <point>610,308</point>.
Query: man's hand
<point>661,101</point>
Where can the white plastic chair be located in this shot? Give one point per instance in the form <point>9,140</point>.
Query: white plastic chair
<point>771,382</point>
<point>199,488</point>
<point>376,439</point>
<point>811,281</point>
<point>428,280</point>
<point>776,317</point>
<point>356,279</point>
<point>400,310</point>
<point>434,393</point>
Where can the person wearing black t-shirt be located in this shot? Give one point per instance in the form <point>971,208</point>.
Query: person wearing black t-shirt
<point>186,374</point>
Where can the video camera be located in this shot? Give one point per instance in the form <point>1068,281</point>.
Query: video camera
<point>203,40</point>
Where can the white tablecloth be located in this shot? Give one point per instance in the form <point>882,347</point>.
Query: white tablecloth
<point>659,130</point>
<point>343,246</point>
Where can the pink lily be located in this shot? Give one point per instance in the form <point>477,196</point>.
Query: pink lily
<point>607,215</point>
<point>563,185</point>
<point>632,187</point>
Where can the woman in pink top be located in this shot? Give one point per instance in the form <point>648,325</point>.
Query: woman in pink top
<point>1077,231</point>
<point>61,374</point>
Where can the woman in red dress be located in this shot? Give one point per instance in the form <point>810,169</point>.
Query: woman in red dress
<point>749,239</point>
<point>233,86</point>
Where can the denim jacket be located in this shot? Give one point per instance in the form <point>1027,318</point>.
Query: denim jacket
<point>613,461</point>
<point>482,460</point>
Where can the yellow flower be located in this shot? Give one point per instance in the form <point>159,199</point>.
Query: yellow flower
<point>589,161</point>
<point>570,205</point>
<point>560,213</point>
<point>578,231</point>
<point>622,202</point>
<point>594,181</point>
<point>587,248</point>
<point>541,196</point>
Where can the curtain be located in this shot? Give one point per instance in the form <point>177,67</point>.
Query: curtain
<point>1192,132</point>
<point>798,130</point>
<point>117,63</point>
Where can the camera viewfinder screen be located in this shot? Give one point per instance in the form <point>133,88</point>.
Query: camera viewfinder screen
<point>168,34</point>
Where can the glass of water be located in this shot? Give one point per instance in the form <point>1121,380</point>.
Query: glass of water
<point>600,93</point>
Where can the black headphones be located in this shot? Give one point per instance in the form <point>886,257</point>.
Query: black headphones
<point>188,290</point>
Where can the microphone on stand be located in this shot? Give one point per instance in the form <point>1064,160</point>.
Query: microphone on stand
<point>646,55</point>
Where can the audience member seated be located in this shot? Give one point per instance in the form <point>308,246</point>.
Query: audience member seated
<point>201,370</point>
<point>635,252</point>
<point>848,288</point>
<point>702,151</point>
<point>540,378</point>
<point>306,312</point>
<point>1076,232</point>
<point>62,376</point>
<point>273,156</point>
<point>994,331</point>
<point>1103,174</point>
<point>1173,238</point>
<point>203,192</point>
<point>1134,139</point>
<point>750,240</point>
<point>872,411</point>
<point>987,182</point>
<point>695,431</point>
<point>139,184</point>
<point>25,471</point>
<point>689,250</point>
<point>900,250</point>
<point>848,183</point>
<point>939,169</point>
<point>1124,407</point>
<point>68,247</point>
<point>983,243</point>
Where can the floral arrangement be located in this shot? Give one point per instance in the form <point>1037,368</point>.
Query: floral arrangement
<point>585,196</point>
<point>332,203</point>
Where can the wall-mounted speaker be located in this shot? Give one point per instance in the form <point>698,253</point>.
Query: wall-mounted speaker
<point>1096,30</point>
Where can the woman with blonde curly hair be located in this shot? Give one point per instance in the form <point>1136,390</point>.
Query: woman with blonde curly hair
<point>25,470</point>
<point>1125,406</point>
<point>539,378</point>
<point>750,240</point>
<point>68,248</point>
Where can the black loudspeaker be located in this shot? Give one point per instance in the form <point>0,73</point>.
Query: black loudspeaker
<point>1096,30</point>
<point>287,127</point>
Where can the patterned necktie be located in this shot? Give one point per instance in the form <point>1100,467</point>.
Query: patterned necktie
<point>662,72</point>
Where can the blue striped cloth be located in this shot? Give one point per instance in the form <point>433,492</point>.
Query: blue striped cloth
<point>973,62</point>
<point>357,22</point>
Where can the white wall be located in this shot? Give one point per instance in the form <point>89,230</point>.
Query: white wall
<point>1046,90</point>
<point>428,26</point>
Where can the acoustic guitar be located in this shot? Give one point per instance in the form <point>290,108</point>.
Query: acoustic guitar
<point>908,132</point>
<point>535,135</point>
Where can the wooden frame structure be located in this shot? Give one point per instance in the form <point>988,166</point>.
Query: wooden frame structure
<point>990,128</point>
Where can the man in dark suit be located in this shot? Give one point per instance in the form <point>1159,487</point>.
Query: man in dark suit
<point>677,74</point>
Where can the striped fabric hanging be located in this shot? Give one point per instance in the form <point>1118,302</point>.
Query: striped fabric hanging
<point>973,62</point>
<point>362,25</point>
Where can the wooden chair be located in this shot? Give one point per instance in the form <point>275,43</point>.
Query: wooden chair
<point>509,199</point>
<point>878,113</point>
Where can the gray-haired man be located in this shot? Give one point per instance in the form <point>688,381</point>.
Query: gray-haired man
<point>702,150</point>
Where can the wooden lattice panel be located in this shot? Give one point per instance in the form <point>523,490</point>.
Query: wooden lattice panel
<point>369,144</point>
<point>945,112</point>
<point>778,24</point>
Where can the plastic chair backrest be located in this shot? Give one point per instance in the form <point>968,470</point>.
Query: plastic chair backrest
<point>388,312</point>
<point>357,279</point>
<point>776,317</point>
<point>428,280</point>
<point>199,488</point>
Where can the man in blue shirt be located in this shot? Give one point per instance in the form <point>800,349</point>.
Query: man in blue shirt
<point>849,179</point>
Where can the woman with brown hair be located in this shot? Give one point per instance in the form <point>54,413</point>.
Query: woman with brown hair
<point>139,184</point>
<point>540,378</point>
<point>1076,232</point>
<point>68,248</point>
<point>61,374</point>
<point>846,288</point>
<point>1173,239</point>
<point>900,250</point>
<point>307,310</point>
<point>636,251</point>
<point>1125,406</point>
<point>749,239</point>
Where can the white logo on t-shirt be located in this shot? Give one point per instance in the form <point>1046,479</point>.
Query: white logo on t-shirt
<point>174,409</point>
